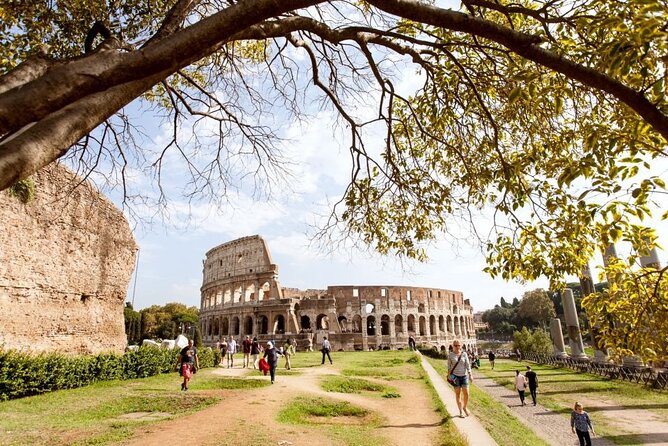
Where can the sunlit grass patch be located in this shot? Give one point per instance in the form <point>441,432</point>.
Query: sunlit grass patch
<point>350,385</point>
<point>309,410</point>
<point>232,383</point>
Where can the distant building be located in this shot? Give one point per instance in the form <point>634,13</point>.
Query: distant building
<point>241,295</point>
<point>478,324</point>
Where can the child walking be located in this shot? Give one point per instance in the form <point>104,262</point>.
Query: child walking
<point>581,424</point>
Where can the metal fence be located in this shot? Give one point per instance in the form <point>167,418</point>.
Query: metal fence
<point>652,377</point>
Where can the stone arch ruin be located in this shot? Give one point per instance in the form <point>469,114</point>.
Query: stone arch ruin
<point>352,317</point>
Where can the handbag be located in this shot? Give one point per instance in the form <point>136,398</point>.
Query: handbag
<point>451,377</point>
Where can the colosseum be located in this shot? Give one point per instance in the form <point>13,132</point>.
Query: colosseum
<point>241,296</point>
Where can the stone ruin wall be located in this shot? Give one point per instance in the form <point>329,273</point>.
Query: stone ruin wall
<point>66,259</point>
<point>241,296</point>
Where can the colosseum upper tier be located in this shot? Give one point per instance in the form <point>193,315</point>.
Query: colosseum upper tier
<point>241,296</point>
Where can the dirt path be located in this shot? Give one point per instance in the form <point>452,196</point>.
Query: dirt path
<point>249,417</point>
<point>555,428</point>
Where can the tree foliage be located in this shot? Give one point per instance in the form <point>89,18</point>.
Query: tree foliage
<point>536,341</point>
<point>160,322</point>
<point>537,307</point>
<point>550,113</point>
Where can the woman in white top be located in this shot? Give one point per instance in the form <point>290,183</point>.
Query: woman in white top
<point>520,385</point>
<point>460,366</point>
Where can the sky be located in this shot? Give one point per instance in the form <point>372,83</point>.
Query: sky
<point>169,263</point>
<point>169,267</point>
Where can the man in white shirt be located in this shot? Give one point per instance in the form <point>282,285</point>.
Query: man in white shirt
<point>231,350</point>
<point>326,347</point>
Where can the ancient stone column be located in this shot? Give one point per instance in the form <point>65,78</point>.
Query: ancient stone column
<point>572,324</point>
<point>557,338</point>
<point>650,260</point>
<point>587,284</point>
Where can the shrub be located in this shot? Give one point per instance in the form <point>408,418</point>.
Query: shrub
<point>24,374</point>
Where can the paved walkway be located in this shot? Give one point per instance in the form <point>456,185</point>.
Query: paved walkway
<point>553,428</point>
<point>470,427</point>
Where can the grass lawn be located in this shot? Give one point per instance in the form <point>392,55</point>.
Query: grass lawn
<point>559,388</point>
<point>495,416</point>
<point>106,412</point>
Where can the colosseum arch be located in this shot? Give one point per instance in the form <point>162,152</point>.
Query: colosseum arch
<point>398,324</point>
<point>423,326</point>
<point>279,325</point>
<point>235,326</point>
<point>357,324</point>
<point>411,323</point>
<point>385,325</point>
<point>216,327</point>
<point>225,326</point>
<point>248,325</point>
<point>371,325</point>
<point>421,308</point>
<point>305,322</point>
<point>343,323</point>
<point>441,324</point>
<point>263,324</point>
<point>432,325</point>
<point>322,322</point>
<point>449,324</point>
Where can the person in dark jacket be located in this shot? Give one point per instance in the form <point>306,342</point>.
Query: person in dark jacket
<point>271,355</point>
<point>533,383</point>
<point>255,352</point>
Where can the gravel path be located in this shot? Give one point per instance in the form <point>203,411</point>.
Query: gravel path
<point>552,427</point>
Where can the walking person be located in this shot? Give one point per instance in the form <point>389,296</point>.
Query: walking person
<point>255,352</point>
<point>325,348</point>
<point>581,424</point>
<point>246,348</point>
<point>520,385</point>
<point>288,351</point>
<point>459,366</point>
<point>491,356</point>
<point>271,355</point>
<point>532,378</point>
<point>188,363</point>
<point>223,351</point>
<point>411,342</point>
<point>231,350</point>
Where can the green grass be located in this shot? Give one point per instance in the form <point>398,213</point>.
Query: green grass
<point>92,415</point>
<point>341,420</point>
<point>215,383</point>
<point>448,435</point>
<point>495,417</point>
<point>559,388</point>
<point>350,385</point>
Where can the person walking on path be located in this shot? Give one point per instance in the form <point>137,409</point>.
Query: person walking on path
<point>231,350</point>
<point>255,352</point>
<point>491,356</point>
<point>288,352</point>
<point>325,348</point>
<point>271,355</point>
<point>532,378</point>
<point>246,348</point>
<point>459,365</point>
<point>581,424</point>
<point>223,351</point>
<point>520,385</point>
<point>411,343</point>
<point>188,363</point>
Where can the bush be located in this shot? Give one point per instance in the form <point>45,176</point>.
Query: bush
<point>537,341</point>
<point>23,374</point>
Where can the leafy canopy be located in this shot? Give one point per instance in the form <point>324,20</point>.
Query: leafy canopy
<point>551,114</point>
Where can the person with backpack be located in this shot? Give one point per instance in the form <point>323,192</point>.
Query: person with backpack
<point>325,348</point>
<point>271,355</point>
